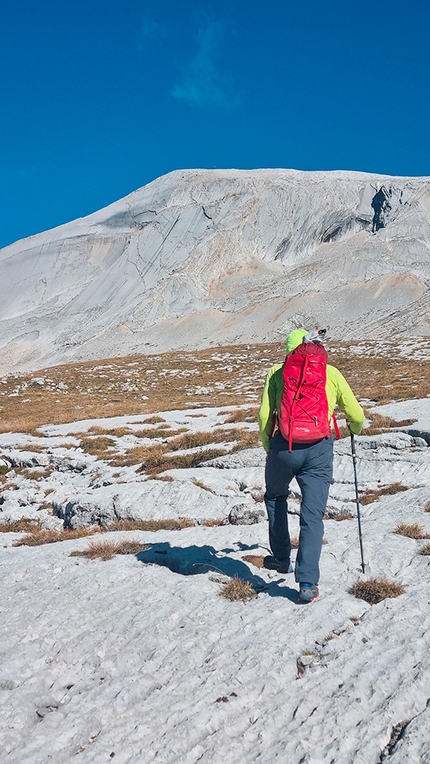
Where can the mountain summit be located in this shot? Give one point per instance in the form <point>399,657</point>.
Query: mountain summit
<point>211,257</point>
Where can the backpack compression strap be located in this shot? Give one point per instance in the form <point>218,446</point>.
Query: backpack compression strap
<point>296,396</point>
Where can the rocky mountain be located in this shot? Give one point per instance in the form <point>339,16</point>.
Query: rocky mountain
<point>201,257</point>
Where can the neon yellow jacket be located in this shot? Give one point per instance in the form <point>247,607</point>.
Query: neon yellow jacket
<point>338,392</point>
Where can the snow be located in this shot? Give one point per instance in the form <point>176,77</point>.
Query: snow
<point>139,658</point>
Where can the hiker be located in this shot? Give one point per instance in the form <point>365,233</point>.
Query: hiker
<point>301,447</point>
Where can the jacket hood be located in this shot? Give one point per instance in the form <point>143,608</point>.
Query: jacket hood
<point>294,339</point>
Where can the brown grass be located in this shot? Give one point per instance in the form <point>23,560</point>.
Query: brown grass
<point>413,531</point>
<point>248,439</point>
<point>238,589</point>
<point>26,524</point>
<point>195,440</point>
<point>376,589</point>
<point>372,494</point>
<point>106,549</point>
<point>52,537</point>
<point>149,456</point>
<point>98,389</point>
<point>161,433</point>
<point>116,432</point>
<point>379,423</point>
<point>205,487</point>
<point>425,549</point>
<point>190,440</point>
<point>372,377</point>
<point>156,476</point>
<point>427,507</point>
<point>154,459</point>
<point>150,525</point>
<point>214,522</point>
<point>183,461</point>
<point>97,446</point>
<point>35,473</point>
<point>242,415</point>
<point>339,517</point>
<point>254,559</point>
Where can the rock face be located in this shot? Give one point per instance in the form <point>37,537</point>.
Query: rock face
<point>205,257</point>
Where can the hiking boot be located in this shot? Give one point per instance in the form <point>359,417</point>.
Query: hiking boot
<point>308,593</point>
<point>271,563</point>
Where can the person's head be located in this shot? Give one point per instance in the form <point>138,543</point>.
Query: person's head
<point>294,339</point>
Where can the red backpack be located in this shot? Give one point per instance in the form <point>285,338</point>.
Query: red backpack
<point>304,407</point>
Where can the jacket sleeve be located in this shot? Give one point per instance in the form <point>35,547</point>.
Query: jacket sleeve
<point>348,403</point>
<point>268,407</point>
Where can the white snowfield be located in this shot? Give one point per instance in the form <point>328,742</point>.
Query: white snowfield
<point>201,257</point>
<point>139,660</point>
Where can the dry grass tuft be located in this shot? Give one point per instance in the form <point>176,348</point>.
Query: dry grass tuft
<point>248,439</point>
<point>51,537</point>
<point>242,415</point>
<point>35,473</point>
<point>164,478</point>
<point>150,525</point>
<point>26,524</point>
<point>427,507</point>
<point>150,456</point>
<point>195,440</point>
<point>376,589</point>
<point>413,531</point>
<point>162,433</point>
<point>380,424</point>
<point>339,517</point>
<point>238,589</point>
<point>107,549</point>
<point>116,432</point>
<point>240,437</point>
<point>254,559</point>
<point>372,494</point>
<point>214,522</point>
<point>97,446</point>
<point>425,549</point>
<point>205,487</point>
<point>160,463</point>
<point>156,459</point>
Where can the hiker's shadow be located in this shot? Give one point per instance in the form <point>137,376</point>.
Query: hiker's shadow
<point>194,560</point>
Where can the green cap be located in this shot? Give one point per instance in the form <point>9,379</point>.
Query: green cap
<point>294,339</point>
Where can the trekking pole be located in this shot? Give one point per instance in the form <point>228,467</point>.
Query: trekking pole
<point>354,461</point>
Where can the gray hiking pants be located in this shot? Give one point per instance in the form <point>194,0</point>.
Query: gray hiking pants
<point>312,466</point>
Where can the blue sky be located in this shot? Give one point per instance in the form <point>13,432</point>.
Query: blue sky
<point>99,98</point>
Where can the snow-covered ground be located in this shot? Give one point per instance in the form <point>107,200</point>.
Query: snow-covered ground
<point>139,659</point>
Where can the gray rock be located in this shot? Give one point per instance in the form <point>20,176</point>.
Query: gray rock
<point>249,457</point>
<point>26,459</point>
<point>146,500</point>
<point>246,514</point>
<point>396,440</point>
